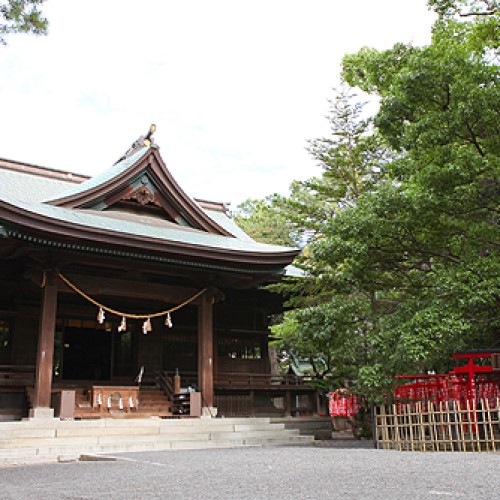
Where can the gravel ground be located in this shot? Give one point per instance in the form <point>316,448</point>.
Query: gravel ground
<point>335,471</point>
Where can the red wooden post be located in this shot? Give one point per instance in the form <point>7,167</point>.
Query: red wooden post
<point>206,349</point>
<point>45,352</point>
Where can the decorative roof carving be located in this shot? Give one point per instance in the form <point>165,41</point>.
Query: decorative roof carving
<point>143,196</point>
<point>143,166</point>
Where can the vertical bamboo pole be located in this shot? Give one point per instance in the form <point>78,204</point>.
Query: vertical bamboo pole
<point>410,425</point>
<point>470,419</point>
<point>435,436</point>
<point>397,436</point>
<point>417,427</point>
<point>439,426</point>
<point>420,412</point>
<point>389,439</point>
<point>461,432</point>
<point>476,426</point>
<point>496,423</point>
<point>491,434</point>
<point>430,420</point>
<point>470,439</point>
<point>450,422</point>
<point>481,427</point>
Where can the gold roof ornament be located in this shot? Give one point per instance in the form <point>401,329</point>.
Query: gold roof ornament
<point>143,141</point>
<point>148,140</point>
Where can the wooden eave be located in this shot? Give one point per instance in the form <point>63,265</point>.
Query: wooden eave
<point>47,228</point>
<point>170,196</point>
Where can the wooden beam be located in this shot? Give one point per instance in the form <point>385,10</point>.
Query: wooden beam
<point>95,286</point>
<point>45,352</point>
<point>206,349</point>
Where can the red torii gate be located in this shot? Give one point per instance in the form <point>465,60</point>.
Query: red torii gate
<point>466,384</point>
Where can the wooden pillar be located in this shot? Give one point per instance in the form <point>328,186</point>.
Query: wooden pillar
<point>288,403</point>
<point>45,350</point>
<point>317,400</point>
<point>252,400</point>
<point>206,349</point>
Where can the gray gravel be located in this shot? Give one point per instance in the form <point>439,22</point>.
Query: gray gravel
<point>262,473</point>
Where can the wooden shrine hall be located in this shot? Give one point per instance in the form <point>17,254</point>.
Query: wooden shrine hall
<point>120,295</point>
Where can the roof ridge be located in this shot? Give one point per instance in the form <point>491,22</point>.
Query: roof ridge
<point>38,170</point>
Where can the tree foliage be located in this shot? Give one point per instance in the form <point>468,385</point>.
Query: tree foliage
<point>331,320</point>
<point>403,269</point>
<point>21,16</point>
<point>264,221</point>
<point>465,8</point>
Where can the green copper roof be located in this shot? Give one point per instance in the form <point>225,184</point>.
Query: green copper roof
<point>25,186</point>
<point>102,178</point>
<point>144,227</point>
<point>228,224</point>
<point>27,196</point>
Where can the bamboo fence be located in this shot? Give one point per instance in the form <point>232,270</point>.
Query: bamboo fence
<point>443,426</point>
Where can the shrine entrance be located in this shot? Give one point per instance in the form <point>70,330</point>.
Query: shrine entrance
<point>86,350</point>
<point>86,354</point>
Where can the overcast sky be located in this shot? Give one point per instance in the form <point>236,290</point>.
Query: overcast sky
<point>235,87</point>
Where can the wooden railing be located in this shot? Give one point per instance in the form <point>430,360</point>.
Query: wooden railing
<point>166,384</point>
<point>234,405</point>
<point>187,378</point>
<point>258,379</point>
<point>16,375</point>
<point>235,380</point>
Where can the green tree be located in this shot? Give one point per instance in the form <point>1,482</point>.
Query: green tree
<point>465,8</point>
<point>331,320</point>
<point>263,221</point>
<point>406,270</point>
<point>21,16</point>
<point>430,236</point>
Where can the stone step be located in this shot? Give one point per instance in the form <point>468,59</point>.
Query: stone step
<point>240,423</point>
<point>51,439</point>
<point>82,437</point>
<point>225,423</point>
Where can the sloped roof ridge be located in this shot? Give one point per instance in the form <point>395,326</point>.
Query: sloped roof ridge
<point>216,214</point>
<point>38,170</point>
<point>78,178</point>
<point>103,177</point>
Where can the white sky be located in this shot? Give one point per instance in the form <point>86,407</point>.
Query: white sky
<point>235,87</point>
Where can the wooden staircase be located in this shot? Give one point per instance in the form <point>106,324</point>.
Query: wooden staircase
<point>154,403</point>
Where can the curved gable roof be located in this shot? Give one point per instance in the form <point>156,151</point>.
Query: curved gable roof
<point>135,208</point>
<point>143,176</point>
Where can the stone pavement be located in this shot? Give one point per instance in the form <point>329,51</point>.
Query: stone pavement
<point>306,472</point>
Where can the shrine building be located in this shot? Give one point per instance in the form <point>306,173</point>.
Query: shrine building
<point>122,294</point>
